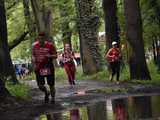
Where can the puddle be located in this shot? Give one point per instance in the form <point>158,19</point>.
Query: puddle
<point>131,108</point>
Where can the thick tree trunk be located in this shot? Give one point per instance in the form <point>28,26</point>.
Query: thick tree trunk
<point>48,21</point>
<point>6,66</point>
<point>38,14</point>
<point>43,17</point>
<point>88,34</point>
<point>111,21</point>
<point>138,66</point>
<point>3,91</point>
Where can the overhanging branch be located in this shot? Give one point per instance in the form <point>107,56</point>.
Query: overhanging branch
<point>18,40</point>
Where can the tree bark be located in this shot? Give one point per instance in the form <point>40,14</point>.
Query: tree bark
<point>141,110</point>
<point>111,22</point>
<point>6,66</point>
<point>29,21</point>
<point>137,61</point>
<point>43,17</point>
<point>154,50</point>
<point>88,34</point>
<point>66,34</point>
<point>66,31</point>
<point>97,112</point>
<point>3,91</point>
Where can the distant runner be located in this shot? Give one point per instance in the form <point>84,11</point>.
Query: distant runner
<point>113,57</point>
<point>43,53</point>
<point>69,65</point>
<point>74,114</point>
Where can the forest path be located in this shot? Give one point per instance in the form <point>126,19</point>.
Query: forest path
<point>82,94</point>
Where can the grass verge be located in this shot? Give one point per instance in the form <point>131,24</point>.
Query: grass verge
<point>19,91</point>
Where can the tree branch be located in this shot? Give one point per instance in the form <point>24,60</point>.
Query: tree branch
<point>18,40</point>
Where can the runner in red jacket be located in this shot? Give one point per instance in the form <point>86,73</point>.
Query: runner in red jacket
<point>69,65</point>
<point>74,114</point>
<point>113,57</point>
<point>43,53</point>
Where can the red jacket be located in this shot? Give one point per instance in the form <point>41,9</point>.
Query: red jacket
<point>40,54</point>
<point>68,56</point>
<point>113,55</point>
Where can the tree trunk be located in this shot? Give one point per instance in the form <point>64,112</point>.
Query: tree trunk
<point>29,21</point>
<point>3,91</point>
<point>66,31</point>
<point>154,50</point>
<point>111,22</point>
<point>43,17</point>
<point>158,52</point>
<point>141,110</point>
<point>66,34</point>
<point>6,66</point>
<point>88,34</point>
<point>137,61</point>
<point>97,112</point>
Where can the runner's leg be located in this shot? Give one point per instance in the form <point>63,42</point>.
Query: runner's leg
<point>51,83</point>
<point>41,84</point>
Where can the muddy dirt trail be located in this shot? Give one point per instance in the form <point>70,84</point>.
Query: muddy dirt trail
<point>83,93</point>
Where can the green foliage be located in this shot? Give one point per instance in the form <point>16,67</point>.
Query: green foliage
<point>151,20</point>
<point>15,21</point>
<point>22,51</point>
<point>16,26</point>
<point>155,75</point>
<point>60,75</point>
<point>104,75</point>
<point>64,11</point>
<point>19,91</point>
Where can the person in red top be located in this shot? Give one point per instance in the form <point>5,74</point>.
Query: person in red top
<point>69,65</point>
<point>43,53</point>
<point>120,109</point>
<point>74,114</point>
<point>113,57</point>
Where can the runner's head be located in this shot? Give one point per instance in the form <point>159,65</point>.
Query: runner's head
<point>67,46</point>
<point>114,44</point>
<point>42,37</point>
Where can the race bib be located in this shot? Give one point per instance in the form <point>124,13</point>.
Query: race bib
<point>66,60</point>
<point>45,71</point>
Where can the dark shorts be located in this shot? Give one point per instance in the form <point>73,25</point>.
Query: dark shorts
<point>41,79</point>
<point>115,66</point>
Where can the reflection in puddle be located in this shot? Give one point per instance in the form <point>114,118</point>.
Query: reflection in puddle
<point>132,108</point>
